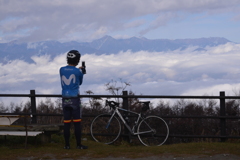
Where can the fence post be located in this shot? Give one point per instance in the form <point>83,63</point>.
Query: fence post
<point>33,106</point>
<point>126,115</point>
<point>125,100</point>
<point>222,113</point>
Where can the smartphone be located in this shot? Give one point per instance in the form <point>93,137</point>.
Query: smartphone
<point>84,67</point>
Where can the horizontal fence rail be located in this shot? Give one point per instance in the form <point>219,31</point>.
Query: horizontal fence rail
<point>222,117</point>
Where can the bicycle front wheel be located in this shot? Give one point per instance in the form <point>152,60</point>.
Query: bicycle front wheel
<point>153,131</point>
<point>104,130</point>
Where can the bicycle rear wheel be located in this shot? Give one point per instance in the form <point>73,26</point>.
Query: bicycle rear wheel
<point>156,131</point>
<point>104,131</point>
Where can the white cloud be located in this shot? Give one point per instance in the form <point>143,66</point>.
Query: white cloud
<point>226,48</point>
<point>214,89</point>
<point>186,72</point>
<point>86,20</point>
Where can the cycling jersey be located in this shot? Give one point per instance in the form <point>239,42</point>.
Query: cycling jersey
<point>71,78</point>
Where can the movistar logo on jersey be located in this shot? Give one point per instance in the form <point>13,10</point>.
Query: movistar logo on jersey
<point>67,101</point>
<point>67,81</point>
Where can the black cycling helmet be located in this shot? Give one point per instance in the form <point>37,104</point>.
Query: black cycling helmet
<point>73,57</point>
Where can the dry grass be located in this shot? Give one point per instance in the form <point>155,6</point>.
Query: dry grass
<point>14,149</point>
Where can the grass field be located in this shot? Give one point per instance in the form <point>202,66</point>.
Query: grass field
<point>14,148</point>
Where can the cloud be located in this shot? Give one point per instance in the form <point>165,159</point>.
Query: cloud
<point>161,20</point>
<point>179,72</point>
<point>135,23</point>
<point>86,20</point>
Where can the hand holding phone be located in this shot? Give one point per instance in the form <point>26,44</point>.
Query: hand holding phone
<point>83,67</point>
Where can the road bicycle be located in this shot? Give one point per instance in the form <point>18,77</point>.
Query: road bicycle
<point>151,130</point>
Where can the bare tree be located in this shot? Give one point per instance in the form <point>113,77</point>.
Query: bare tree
<point>2,108</point>
<point>116,87</point>
<point>94,102</point>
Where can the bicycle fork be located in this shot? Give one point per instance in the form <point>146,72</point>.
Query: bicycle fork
<point>109,121</point>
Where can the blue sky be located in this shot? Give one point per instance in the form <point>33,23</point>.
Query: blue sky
<point>85,20</point>
<point>198,26</point>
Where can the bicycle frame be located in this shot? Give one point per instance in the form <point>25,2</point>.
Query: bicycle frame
<point>131,130</point>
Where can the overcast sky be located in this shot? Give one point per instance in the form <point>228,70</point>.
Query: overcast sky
<point>85,20</point>
<point>177,72</point>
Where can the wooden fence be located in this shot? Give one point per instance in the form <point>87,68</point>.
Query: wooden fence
<point>222,117</point>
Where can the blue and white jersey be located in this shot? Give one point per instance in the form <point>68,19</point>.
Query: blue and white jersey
<point>71,78</point>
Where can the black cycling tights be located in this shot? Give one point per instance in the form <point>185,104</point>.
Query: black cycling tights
<point>77,132</point>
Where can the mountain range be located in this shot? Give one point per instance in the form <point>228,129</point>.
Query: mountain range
<point>105,45</point>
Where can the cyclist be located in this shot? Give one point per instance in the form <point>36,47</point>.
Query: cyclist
<point>71,78</point>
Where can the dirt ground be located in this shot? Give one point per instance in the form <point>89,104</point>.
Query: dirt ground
<point>215,157</point>
<point>203,157</point>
